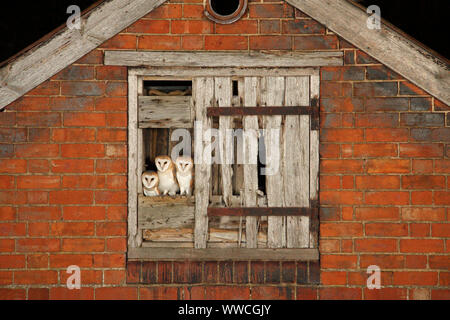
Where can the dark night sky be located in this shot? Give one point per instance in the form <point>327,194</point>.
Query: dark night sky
<point>24,22</point>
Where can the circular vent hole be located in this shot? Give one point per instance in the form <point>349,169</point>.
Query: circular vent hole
<point>224,7</point>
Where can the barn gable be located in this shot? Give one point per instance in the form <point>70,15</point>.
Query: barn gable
<point>387,45</point>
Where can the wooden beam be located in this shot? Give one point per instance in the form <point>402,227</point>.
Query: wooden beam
<point>387,45</point>
<point>165,112</point>
<point>260,212</point>
<point>67,46</point>
<point>223,59</point>
<point>213,254</point>
<point>259,111</point>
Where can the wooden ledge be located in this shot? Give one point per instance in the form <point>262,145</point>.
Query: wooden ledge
<point>214,254</point>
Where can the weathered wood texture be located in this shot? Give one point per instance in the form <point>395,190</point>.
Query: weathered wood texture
<point>222,59</point>
<point>388,45</point>
<point>212,254</point>
<point>165,112</point>
<point>67,46</point>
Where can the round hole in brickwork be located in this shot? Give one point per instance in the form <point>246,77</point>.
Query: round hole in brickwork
<point>225,11</point>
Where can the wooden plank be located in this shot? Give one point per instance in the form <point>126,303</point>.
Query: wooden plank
<point>250,124</point>
<point>223,94</point>
<point>238,167</point>
<point>259,111</point>
<point>134,238</point>
<point>296,162</point>
<point>203,91</point>
<point>273,94</point>
<point>212,254</point>
<point>261,211</point>
<point>314,167</point>
<point>187,72</point>
<point>66,46</point>
<point>388,45</point>
<point>140,141</point>
<point>223,59</point>
<point>163,200</point>
<point>166,217</point>
<point>165,112</point>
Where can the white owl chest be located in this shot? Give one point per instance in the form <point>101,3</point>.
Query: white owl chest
<point>184,180</point>
<point>167,181</point>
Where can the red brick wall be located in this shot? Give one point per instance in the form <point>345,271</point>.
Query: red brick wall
<point>384,176</point>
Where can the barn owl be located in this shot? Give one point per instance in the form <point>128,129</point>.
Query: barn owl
<point>150,181</point>
<point>166,173</point>
<point>185,174</point>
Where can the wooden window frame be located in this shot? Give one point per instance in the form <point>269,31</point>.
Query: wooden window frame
<point>136,247</point>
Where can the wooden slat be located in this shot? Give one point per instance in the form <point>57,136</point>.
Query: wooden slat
<point>273,94</point>
<point>223,93</point>
<point>223,59</point>
<point>259,111</point>
<point>212,254</point>
<point>296,162</point>
<point>250,124</point>
<point>134,239</point>
<point>166,217</point>
<point>259,212</point>
<point>165,112</point>
<point>314,167</point>
<point>203,97</point>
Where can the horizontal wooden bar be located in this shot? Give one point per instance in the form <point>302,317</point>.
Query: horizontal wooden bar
<point>239,212</point>
<point>222,254</point>
<point>258,111</point>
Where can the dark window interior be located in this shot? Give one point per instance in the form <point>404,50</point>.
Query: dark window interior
<point>224,7</point>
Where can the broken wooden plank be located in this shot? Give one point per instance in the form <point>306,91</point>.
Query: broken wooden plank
<point>165,112</point>
<point>260,111</point>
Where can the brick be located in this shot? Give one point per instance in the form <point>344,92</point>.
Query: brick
<point>273,272</point>
<point>333,277</point>
<point>377,120</point>
<point>120,41</point>
<point>31,103</point>
<point>164,272</point>
<point>339,261</point>
<point>38,119</point>
<point>375,89</point>
<point>211,273</point>
<point>82,150</point>
<point>110,229</point>
<point>269,26</point>
<point>387,135</point>
<point>159,42</point>
<point>37,150</point>
<point>111,73</point>
<point>48,88</point>
<point>388,166</point>
<point>383,261</point>
<point>72,229</point>
<point>442,198</point>
<point>421,104</point>
<point>117,120</point>
<point>12,229</point>
<point>407,88</point>
<point>329,182</point>
<point>191,42</point>
<point>6,182</point>
<point>226,43</point>
<point>193,11</point>
<point>187,272</point>
<point>150,26</point>
<point>72,166</point>
<point>270,43</point>
<point>341,197</point>
<point>159,293</point>
<point>38,294</point>
<point>93,57</point>
<point>288,272</point>
<point>377,182</point>
<point>329,246</point>
<point>272,293</point>
<point>422,166</point>
<point>83,181</point>
<point>381,73</point>
<point>423,182</point>
<point>111,135</point>
<point>62,293</point>
<point>302,27</point>
<point>387,198</point>
<point>111,104</point>
<point>227,293</point>
<point>84,119</point>
<point>341,229</point>
<point>83,245</point>
<point>305,293</point>
<point>7,245</point>
<point>38,135</point>
<point>439,262</point>
<point>266,10</point>
<point>194,27</point>
<point>416,262</point>
<point>385,294</point>
<point>342,135</point>
<point>73,135</point>
<point>419,229</point>
<point>363,58</point>
<point>341,104</point>
<point>329,150</point>
<point>116,89</point>
<point>74,72</point>
<point>6,150</point>
<point>441,230</point>
<point>226,272</point>
<point>37,245</point>
<point>315,42</point>
<point>13,166</point>
<point>341,166</point>
<point>13,261</point>
<point>440,294</point>
<point>39,213</point>
<point>342,73</point>
<point>349,57</point>
<point>421,150</point>
<point>387,104</point>
<point>65,260</point>
<point>12,135</point>
<point>329,214</point>
<point>386,229</point>
<point>148,273</point>
<point>83,88</point>
<point>110,197</point>
<point>421,245</point>
<point>422,119</point>
<point>415,278</point>
<point>7,119</point>
<point>38,182</point>
<point>115,293</point>
<point>71,197</point>
<point>168,10</point>
<point>375,245</point>
<point>256,272</point>
<point>339,293</point>
<point>111,166</point>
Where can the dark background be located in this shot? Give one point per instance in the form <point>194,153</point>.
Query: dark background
<point>24,22</point>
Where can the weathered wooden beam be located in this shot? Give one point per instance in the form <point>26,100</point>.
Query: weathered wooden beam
<point>67,46</point>
<point>165,112</point>
<point>260,212</point>
<point>223,59</point>
<point>212,254</point>
<point>259,111</point>
<point>388,45</point>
